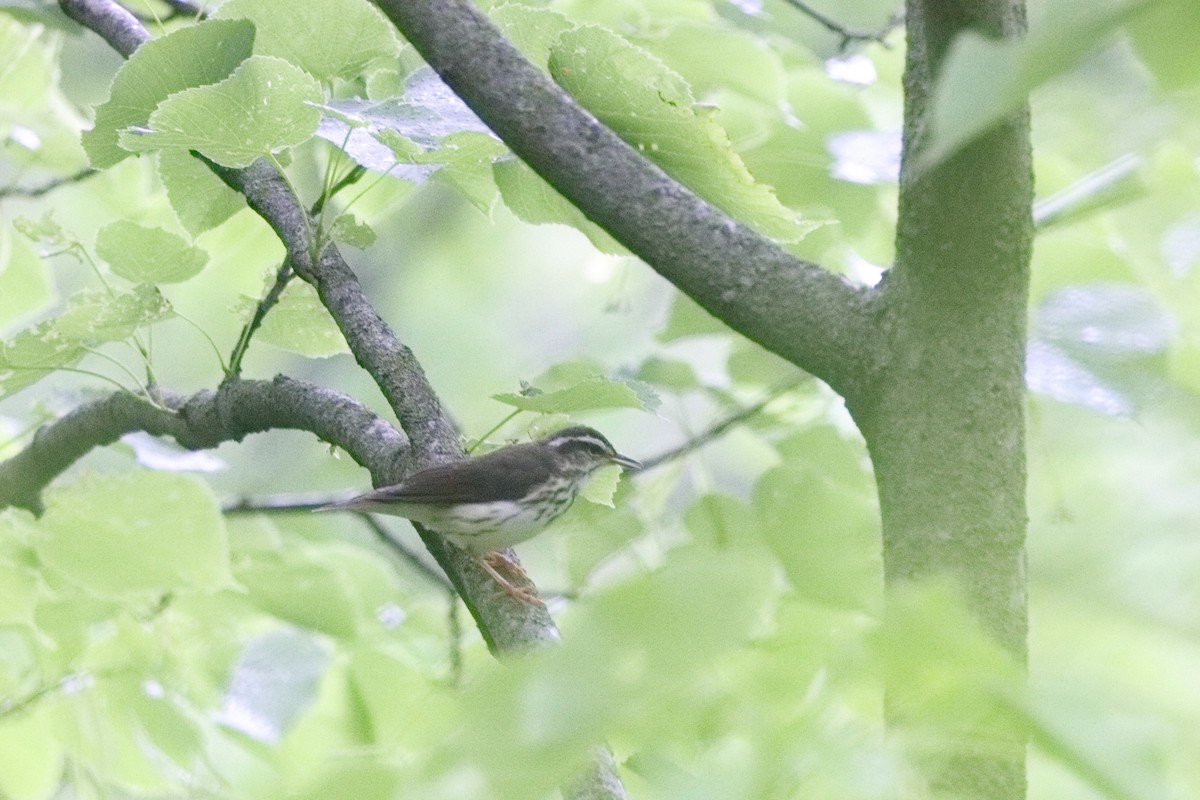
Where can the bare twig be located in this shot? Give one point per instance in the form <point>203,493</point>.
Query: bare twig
<point>282,278</point>
<point>277,504</point>
<point>185,8</point>
<point>408,556</point>
<point>1115,182</point>
<point>349,179</point>
<point>719,429</point>
<point>47,187</point>
<point>849,36</point>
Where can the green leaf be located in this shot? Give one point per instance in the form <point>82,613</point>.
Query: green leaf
<point>1172,58</point>
<point>537,202</point>
<point>670,373</point>
<point>103,317</point>
<point>33,354</point>
<point>330,39</point>
<point>983,80</point>
<point>157,723</point>
<point>946,675</point>
<point>428,132</point>
<point>300,586</point>
<point>689,319</point>
<point>162,67</point>
<point>467,165</point>
<point>116,535</point>
<point>24,284</point>
<point>143,254</point>
<point>587,395</point>
<point>1100,345</point>
<point>602,486</point>
<point>825,535</point>
<point>201,200</point>
<point>346,228</point>
<point>44,231</point>
<point>642,652</point>
<point>90,317</point>
<point>652,108</point>
<point>299,323</point>
<point>20,583</point>
<point>265,106</point>
<point>750,363</point>
<point>717,520</point>
<point>533,31</point>
<point>275,679</point>
<point>390,686</point>
<point>1078,725</point>
<point>34,754</point>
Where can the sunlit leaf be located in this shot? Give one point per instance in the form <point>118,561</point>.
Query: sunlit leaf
<point>160,68</point>
<point>148,255</point>
<point>200,199</point>
<point>265,106</point>
<point>103,317</point>
<point>333,39</point>
<point>299,323</point>
<point>135,533</point>
<point>536,201</point>
<point>586,395</point>
<point>984,80</point>
<point>24,281</point>
<point>426,131</point>
<point>348,229</point>
<point>1155,37</point>
<point>653,109</point>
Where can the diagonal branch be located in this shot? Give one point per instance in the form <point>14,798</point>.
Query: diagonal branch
<point>792,307</point>
<point>374,345</point>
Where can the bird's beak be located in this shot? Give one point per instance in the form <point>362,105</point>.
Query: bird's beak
<point>626,462</point>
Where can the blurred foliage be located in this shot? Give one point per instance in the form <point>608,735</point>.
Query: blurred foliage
<point>723,623</point>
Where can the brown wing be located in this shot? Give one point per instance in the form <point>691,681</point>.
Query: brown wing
<point>506,474</point>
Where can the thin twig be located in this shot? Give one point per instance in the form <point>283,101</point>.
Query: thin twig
<point>282,278</point>
<point>350,178</point>
<point>456,632</point>
<point>49,186</point>
<point>1115,182</point>
<point>719,429</point>
<point>187,8</point>
<point>849,36</point>
<point>408,556</point>
<point>277,504</point>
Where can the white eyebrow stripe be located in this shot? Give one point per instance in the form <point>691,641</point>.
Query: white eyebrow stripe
<point>590,439</point>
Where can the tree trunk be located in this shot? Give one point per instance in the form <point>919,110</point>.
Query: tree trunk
<point>944,419</point>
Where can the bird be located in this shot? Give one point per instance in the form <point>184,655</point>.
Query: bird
<point>487,504</point>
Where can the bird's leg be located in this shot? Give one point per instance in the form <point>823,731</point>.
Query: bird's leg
<point>494,559</point>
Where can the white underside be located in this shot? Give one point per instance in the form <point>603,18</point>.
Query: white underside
<point>483,527</point>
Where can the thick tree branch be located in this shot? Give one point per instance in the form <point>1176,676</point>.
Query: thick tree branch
<point>794,308</point>
<point>204,420</point>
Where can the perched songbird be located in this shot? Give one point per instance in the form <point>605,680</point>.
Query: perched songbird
<point>489,503</point>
